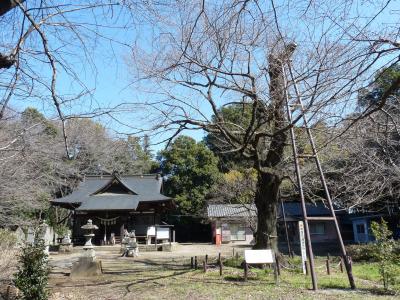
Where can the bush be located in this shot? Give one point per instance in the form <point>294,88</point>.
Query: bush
<point>361,252</point>
<point>234,262</point>
<point>33,272</point>
<point>384,252</point>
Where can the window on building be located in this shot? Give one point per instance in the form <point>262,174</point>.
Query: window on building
<point>238,232</point>
<point>317,228</point>
<point>360,228</point>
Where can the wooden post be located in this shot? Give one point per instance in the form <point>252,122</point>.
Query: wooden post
<point>341,264</point>
<point>233,252</point>
<point>204,266</point>
<point>328,267</point>
<point>278,267</point>
<point>246,271</point>
<point>276,275</point>
<point>195,262</point>
<point>155,240</point>
<point>206,258</point>
<point>306,267</point>
<point>220,264</point>
<point>191,263</point>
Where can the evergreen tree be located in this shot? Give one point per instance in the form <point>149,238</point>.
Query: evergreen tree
<point>191,171</point>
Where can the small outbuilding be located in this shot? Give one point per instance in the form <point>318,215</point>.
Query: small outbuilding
<point>237,222</point>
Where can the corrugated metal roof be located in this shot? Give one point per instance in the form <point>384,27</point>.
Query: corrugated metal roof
<point>146,189</point>
<point>292,209</point>
<point>231,210</point>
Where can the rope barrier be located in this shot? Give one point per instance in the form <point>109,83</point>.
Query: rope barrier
<point>214,263</point>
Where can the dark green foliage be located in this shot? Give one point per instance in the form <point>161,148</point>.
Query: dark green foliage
<point>33,271</point>
<point>239,114</point>
<point>234,262</point>
<point>383,81</point>
<point>366,252</point>
<point>32,117</point>
<point>361,252</point>
<point>191,171</point>
<point>384,251</point>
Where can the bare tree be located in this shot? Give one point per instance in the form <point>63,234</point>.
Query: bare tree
<point>33,167</point>
<point>205,56</point>
<point>47,43</point>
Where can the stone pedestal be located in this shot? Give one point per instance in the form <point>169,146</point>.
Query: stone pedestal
<point>169,247</point>
<point>65,248</point>
<point>66,245</point>
<point>86,267</point>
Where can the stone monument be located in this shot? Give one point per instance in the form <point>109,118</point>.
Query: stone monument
<point>87,265</point>
<point>66,243</point>
<point>130,246</point>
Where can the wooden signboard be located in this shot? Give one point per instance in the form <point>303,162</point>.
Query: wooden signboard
<point>302,246</point>
<point>163,233</point>
<point>259,256</point>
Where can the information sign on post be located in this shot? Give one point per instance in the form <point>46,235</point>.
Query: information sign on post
<point>302,246</point>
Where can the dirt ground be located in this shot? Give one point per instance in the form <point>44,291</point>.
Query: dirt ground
<point>122,275</point>
<point>167,275</point>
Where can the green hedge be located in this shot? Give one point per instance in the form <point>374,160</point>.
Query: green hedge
<point>366,252</point>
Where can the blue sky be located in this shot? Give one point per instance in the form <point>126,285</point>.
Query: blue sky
<point>110,79</point>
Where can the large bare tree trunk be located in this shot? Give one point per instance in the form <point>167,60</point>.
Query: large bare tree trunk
<point>266,200</point>
<point>269,173</point>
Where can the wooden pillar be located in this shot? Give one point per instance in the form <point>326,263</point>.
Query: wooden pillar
<point>155,239</point>
<point>220,264</point>
<point>341,264</point>
<point>195,262</point>
<point>328,267</point>
<point>191,263</point>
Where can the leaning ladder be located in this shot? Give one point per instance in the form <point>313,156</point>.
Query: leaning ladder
<point>298,103</point>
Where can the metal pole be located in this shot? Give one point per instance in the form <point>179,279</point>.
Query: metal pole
<point>286,230</point>
<point>300,187</point>
<point>323,181</point>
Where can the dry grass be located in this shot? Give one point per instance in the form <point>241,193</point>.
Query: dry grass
<point>8,263</point>
<point>157,278</point>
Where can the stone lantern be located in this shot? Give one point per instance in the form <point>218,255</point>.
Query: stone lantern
<point>87,265</point>
<point>88,247</point>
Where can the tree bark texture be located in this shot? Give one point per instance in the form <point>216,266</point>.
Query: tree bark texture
<point>266,200</point>
<point>7,61</point>
<point>7,5</point>
<point>269,173</point>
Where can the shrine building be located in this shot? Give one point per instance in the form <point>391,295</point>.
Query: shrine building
<point>117,204</point>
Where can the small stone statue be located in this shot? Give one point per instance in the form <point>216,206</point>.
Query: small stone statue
<point>131,246</point>
<point>66,243</point>
<point>112,239</point>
